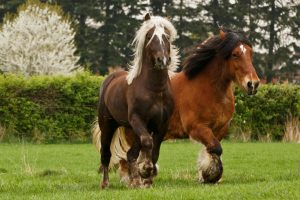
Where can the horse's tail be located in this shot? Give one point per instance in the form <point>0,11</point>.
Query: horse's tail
<point>118,147</point>
<point>96,133</point>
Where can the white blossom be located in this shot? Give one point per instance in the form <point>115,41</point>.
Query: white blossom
<point>38,41</point>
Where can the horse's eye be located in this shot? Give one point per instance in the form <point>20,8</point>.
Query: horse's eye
<point>235,56</point>
<point>148,37</point>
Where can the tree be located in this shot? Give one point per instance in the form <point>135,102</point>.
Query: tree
<point>38,40</point>
<point>86,38</point>
<point>117,32</point>
<point>159,6</point>
<point>109,42</point>
<point>9,6</point>
<point>280,36</point>
<point>187,18</point>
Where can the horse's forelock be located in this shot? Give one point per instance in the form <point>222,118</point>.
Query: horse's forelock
<point>230,42</point>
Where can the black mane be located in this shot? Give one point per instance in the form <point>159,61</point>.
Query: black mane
<point>214,46</point>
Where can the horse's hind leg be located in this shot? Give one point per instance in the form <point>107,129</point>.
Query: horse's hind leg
<point>108,128</point>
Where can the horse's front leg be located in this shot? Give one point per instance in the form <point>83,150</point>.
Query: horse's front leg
<point>220,134</point>
<point>146,144</point>
<point>209,163</point>
<point>158,137</point>
<point>133,170</point>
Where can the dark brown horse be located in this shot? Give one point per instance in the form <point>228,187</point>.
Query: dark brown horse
<point>204,100</point>
<point>140,100</point>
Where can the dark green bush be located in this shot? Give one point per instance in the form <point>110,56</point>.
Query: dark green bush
<point>49,109</point>
<point>59,109</point>
<point>267,111</point>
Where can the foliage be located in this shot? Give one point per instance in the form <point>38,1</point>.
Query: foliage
<point>53,109</point>
<point>49,109</point>
<point>106,28</point>
<point>267,111</point>
<point>39,39</point>
<point>257,171</point>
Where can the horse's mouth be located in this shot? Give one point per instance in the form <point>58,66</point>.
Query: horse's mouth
<point>160,66</point>
<point>252,92</point>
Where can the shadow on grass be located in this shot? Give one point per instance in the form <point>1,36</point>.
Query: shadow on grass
<point>3,170</point>
<point>50,172</point>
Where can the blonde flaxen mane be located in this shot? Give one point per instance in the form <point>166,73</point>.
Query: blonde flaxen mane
<point>159,23</point>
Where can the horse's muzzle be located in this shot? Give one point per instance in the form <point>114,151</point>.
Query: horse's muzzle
<point>162,63</point>
<point>252,87</point>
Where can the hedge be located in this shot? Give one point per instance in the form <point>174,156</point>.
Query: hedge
<point>267,111</point>
<point>48,109</point>
<point>59,109</point>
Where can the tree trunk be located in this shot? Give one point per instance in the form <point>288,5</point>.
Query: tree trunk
<point>180,19</point>
<point>269,70</point>
<point>215,16</point>
<point>106,34</point>
<point>157,6</point>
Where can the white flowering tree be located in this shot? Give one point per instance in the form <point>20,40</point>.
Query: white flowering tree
<point>38,40</point>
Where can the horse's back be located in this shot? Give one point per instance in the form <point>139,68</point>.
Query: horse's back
<point>107,81</point>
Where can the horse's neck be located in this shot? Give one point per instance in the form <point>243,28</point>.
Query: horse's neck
<point>219,78</point>
<point>152,78</point>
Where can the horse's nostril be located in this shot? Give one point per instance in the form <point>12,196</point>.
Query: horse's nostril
<point>256,85</point>
<point>249,84</point>
<point>159,60</point>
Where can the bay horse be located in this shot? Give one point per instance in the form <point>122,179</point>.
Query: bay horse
<point>204,99</point>
<point>140,100</point>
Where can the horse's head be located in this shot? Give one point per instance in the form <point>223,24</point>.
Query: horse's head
<point>157,45</point>
<point>154,41</point>
<point>240,64</point>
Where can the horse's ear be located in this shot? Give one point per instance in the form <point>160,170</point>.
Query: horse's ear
<point>147,17</point>
<point>222,34</point>
<point>169,17</point>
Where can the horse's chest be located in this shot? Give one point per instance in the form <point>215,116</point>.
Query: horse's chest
<point>222,114</point>
<point>161,109</point>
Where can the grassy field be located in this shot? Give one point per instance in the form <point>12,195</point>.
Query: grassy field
<point>251,171</point>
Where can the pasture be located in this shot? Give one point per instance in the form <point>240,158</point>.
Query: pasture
<point>69,171</point>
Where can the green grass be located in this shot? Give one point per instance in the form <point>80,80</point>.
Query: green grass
<point>251,171</point>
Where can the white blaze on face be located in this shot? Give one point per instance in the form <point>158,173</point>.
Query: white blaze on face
<point>159,32</point>
<point>165,60</point>
<point>243,49</point>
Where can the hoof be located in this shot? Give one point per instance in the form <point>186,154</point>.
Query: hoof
<point>155,170</point>
<point>146,169</point>
<point>211,173</point>
<point>210,167</point>
<point>104,185</point>
<point>125,180</point>
<point>147,183</point>
<point>135,183</point>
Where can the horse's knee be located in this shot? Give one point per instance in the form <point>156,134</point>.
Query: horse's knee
<point>146,142</point>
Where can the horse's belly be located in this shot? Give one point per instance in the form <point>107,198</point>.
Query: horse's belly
<point>175,129</point>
